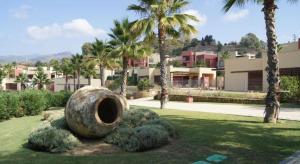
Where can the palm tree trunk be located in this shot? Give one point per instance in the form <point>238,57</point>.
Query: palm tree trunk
<point>102,76</point>
<point>78,78</point>
<point>74,81</point>
<point>66,83</point>
<point>272,103</point>
<point>163,66</point>
<point>124,76</point>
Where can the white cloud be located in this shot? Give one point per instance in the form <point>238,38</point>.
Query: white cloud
<point>75,28</point>
<point>201,17</point>
<point>235,16</point>
<point>21,12</point>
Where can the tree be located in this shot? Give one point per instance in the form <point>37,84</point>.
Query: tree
<point>165,16</point>
<point>126,45</point>
<point>40,79</point>
<point>208,40</point>
<point>77,61</point>
<point>3,74</point>
<point>100,53</point>
<point>66,70</point>
<point>63,66</point>
<point>8,68</point>
<point>250,42</point>
<point>86,49</point>
<point>269,10</point>
<point>22,79</point>
<point>88,69</point>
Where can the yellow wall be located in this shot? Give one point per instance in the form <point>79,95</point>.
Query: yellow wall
<point>236,68</point>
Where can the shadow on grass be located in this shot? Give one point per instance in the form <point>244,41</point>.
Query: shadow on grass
<point>242,139</point>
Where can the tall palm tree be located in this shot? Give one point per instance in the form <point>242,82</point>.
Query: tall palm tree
<point>66,70</point>
<point>100,52</point>
<point>88,69</point>
<point>269,10</point>
<point>165,16</point>
<point>22,79</point>
<point>126,45</point>
<point>40,79</point>
<point>77,61</point>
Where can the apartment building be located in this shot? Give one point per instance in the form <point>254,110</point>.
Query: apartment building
<point>9,82</point>
<point>249,74</point>
<point>180,77</point>
<point>203,58</point>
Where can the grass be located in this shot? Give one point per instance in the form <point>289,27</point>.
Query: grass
<point>242,139</point>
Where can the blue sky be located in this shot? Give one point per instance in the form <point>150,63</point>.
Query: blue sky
<point>52,26</point>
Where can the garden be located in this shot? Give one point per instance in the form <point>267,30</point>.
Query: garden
<point>242,139</point>
<point>144,136</point>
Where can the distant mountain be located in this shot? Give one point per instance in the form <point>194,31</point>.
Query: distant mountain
<point>34,58</point>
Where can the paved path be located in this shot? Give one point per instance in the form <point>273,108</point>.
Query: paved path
<point>235,109</point>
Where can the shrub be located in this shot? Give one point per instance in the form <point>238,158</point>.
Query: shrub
<point>4,113</point>
<point>141,129</point>
<point>52,140</point>
<point>140,138</point>
<point>136,117</point>
<point>59,123</point>
<point>124,138</point>
<point>144,84</point>
<point>116,83</point>
<point>151,136</point>
<point>291,84</point>
<point>58,99</point>
<point>33,102</point>
<point>13,104</point>
<point>172,132</point>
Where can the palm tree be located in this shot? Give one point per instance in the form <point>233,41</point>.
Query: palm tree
<point>40,79</point>
<point>77,61</point>
<point>3,74</point>
<point>88,69</point>
<point>165,16</point>
<point>22,79</point>
<point>8,68</point>
<point>66,70</point>
<point>269,10</point>
<point>63,66</point>
<point>86,49</point>
<point>126,45</point>
<point>100,52</point>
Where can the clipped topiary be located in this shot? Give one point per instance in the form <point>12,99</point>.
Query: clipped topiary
<point>137,117</point>
<point>52,140</point>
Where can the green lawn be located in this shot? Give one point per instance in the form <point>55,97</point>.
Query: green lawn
<point>242,139</point>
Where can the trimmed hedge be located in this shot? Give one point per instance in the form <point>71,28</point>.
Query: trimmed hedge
<point>30,102</point>
<point>216,99</point>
